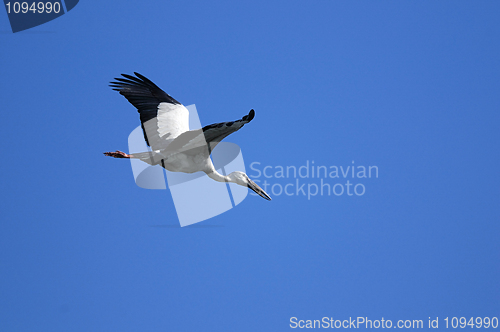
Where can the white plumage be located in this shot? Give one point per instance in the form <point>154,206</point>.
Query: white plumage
<point>165,123</point>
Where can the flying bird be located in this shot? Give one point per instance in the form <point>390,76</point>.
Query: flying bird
<point>165,124</point>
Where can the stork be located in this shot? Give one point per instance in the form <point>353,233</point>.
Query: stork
<point>165,124</point>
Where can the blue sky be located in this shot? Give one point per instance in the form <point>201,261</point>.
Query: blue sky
<point>408,86</point>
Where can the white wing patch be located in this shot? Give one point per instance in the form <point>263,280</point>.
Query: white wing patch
<point>172,119</point>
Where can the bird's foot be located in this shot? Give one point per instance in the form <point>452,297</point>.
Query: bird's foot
<point>117,154</point>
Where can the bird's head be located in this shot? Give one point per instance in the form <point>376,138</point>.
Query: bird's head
<point>243,180</point>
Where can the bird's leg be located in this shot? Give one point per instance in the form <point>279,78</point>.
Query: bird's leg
<point>117,154</point>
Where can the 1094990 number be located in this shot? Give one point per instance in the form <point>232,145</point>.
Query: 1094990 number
<point>478,322</point>
<point>35,7</point>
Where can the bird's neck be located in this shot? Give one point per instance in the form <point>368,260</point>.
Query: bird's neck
<point>213,174</point>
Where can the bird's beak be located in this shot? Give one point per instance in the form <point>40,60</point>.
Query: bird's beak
<point>252,185</point>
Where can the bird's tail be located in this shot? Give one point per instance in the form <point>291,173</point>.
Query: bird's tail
<point>152,158</point>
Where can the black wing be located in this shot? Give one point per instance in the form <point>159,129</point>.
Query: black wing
<point>161,115</point>
<point>209,135</point>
